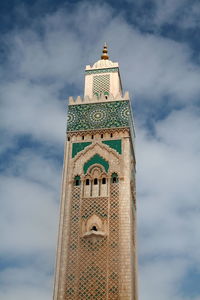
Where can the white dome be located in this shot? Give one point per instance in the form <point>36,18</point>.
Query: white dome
<point>103,63</point>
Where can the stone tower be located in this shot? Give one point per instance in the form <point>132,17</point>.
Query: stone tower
<point>96,255</point>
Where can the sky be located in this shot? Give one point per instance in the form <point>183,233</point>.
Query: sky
<point>44,47</point>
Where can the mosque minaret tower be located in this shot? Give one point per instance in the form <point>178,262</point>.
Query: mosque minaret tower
<point>96,252</point>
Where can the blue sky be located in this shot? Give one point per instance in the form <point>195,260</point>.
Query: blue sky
<point>45,46</point>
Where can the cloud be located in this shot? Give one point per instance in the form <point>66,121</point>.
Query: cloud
<point>154,15</point>
<point>36,110</point>
<point>28,207</point>
<point>159,280</point>
<point>182,13</point>
<point>168,203</point>
<point>45,64</point>
<point>23,283</point>
<point>155,67</point>
<point>29,210</point>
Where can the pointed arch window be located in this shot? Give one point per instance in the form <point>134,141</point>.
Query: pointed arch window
<point>87,182</point>
<point>77,180</point>
<point>114,178</point>
<point>94,228</point>
<point>103,180</point>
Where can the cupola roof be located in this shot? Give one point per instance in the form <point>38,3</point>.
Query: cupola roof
<point>104,62</point>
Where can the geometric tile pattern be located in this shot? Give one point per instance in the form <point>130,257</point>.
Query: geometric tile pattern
<point>101,84</point>
<point>99,115</point>
<point>92,262</point>
<point>72,271</point>
<point>98,206</point>
<point>93,267</point>
<point>113,259</point>
<point>107,70</point>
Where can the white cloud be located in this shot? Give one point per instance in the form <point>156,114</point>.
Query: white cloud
<point>168,202</point>
<point>25,282</point>
<point>153,14</point>
<point>160,279</point>
<point>43,62</point>
<point>183,13</point>
<point>29,209</point>
<point>168,11</point>
<point>155,67</point>
<point>28,223</point>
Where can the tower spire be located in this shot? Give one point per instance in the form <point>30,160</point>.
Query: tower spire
<point>105,52</point>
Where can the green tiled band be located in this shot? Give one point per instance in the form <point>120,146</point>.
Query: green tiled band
<point>98,115</point>
<point>107,70</point>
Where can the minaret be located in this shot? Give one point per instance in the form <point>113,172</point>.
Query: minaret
<point>96,254</point>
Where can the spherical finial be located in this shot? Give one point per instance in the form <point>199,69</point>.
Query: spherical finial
<point>105,51</point>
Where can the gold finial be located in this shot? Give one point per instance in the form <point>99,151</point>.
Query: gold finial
<point>105,52</point>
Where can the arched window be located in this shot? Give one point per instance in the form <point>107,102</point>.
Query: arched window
<point>104,180</point>
<point>87,182</point>
<point>95,181</point>
<point>94,228</point>
<point>114,178</point>
<point>77,180</point>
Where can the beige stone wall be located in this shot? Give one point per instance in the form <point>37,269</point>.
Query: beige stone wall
<point>127,289</point>
<point>61,257</point>
<point>126,259</point>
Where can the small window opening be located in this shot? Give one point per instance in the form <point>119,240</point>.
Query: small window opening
<point>77,181</point>
<point>111,135</point>
<point>101,135</point>
<point>106,97</point>
<point>114,178</point>
<point>104,180</point>
<point>83,137</point>
<point>95,181</point>
<point>92,137</point>
<point>87,182</point>
<point>94,228</point>
<point>68,139</point>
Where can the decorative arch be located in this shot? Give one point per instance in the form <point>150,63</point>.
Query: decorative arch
<point>94,220</point>
<point>96,159</point>
<point>94,228</point>
<point>95,167</point>
<point>104,151</point>
<point>95,182</point>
